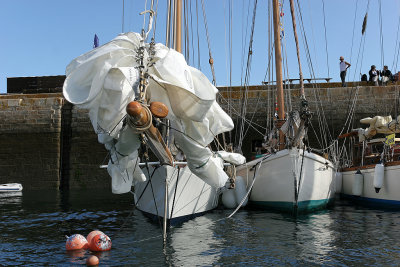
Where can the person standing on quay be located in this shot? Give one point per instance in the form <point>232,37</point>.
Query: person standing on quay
<point>343,68</point>
<point>374,75</point>
<point>386,75</point>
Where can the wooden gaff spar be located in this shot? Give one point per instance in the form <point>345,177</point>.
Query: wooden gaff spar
<point>140,117</point>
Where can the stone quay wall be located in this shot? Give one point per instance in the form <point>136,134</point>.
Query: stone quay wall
<point>328,99</point>
<point>46,142</point>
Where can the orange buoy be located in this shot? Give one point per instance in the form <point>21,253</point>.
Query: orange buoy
<point>92,234</point>
<point>100,242</point>
<point>76,241</point>
<point>92,261</point>
<point>158,109</point>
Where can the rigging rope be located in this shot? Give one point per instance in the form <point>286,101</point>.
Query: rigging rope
<point>191,31</point>
<point>396,49</point>
<point>168,25</point>
<point>323,125</point>
<point>247,79</point>
<point>352,38</point>
<point>228,51</point>
<point>241,91</point>
<point>155,20</point>
<point>211,60</point>
<point>186,31</point>
<point>326,39</point>
<point>198,38</point>
<point>123,14</point>
<point>362,42</point>
<point>381,34</point>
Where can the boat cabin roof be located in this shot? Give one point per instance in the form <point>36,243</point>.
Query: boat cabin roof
<point>380,140</point>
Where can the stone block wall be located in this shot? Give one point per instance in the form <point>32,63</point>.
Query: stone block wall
<point>86,154</point>
<point>45,142</point>
<point>30,128</point>
<point>332,102</point>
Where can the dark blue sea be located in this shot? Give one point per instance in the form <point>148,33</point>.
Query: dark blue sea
<point>34,226</point>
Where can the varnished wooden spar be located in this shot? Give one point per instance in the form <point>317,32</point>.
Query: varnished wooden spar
<point>137,113</point>
<point>140,118</point>
<point>354,133</point>
<point>158,109</point>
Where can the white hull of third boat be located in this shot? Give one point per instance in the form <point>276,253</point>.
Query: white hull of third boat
<point>188,195</point>
<point>388,196</point>
<point>276,174</point>
<point>13,187</point>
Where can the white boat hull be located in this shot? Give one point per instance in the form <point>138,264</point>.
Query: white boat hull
<point>188,195</point>
<point>277,174</point>
<point>389,194</point>
<point>12,187</point>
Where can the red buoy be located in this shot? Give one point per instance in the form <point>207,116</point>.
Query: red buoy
<point>92,234</point>
<point>100,242</point>
<point>92,261</point>
<point>76,241</point>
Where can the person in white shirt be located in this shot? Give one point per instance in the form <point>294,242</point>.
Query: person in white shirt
<point>343,68</point>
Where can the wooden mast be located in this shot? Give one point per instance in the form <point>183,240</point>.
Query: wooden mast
<point>297,49</point>
<point>178,26</point>
<point>278,66</point>
<point>177,47</point>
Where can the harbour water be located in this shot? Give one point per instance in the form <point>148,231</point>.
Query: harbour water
<point>34,225</point>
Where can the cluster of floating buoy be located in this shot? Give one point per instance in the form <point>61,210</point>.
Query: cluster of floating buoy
<point>95,241</point>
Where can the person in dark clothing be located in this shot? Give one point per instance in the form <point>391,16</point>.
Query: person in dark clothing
<point>343,69</point>
<point>364,78</point>
<point>373,75</point>
<point>386,75</point>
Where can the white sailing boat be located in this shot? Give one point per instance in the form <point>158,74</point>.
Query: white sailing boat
<point>133,88</point>
<point>369,167</point>
<point>291,178</point>
<point>371,174</point>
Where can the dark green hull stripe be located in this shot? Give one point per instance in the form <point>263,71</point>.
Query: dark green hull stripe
<point>303,206</point>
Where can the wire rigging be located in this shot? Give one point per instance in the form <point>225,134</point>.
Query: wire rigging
<point>211,61</point>
<point>381,34</point>
<point>362,42</point>
<point>352,38</point>
<point>242,133</point>
<point>323,125</point>
<point>198,37</point>
<point>326,39</point>
<point>396,49</point>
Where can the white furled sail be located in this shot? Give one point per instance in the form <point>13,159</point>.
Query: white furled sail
<point>106,79</point>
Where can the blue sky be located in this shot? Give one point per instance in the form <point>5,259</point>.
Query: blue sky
<point>40,38</point>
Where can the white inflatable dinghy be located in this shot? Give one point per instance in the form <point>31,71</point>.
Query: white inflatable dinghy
<point>13,187</point>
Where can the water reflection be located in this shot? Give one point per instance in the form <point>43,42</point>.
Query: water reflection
<point>195,242</point>
<point>34,226</point>
<point>10,198</point>
<point>253,237</point>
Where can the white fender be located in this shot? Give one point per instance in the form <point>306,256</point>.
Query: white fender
<point>231,198</point>
<point>228,199</point>
<point>338,181</point>
<point>358,183</point>
<point>240,191</point>
<point>379,174</point>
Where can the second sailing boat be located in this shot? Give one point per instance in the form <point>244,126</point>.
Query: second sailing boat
<point>291,178</point>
